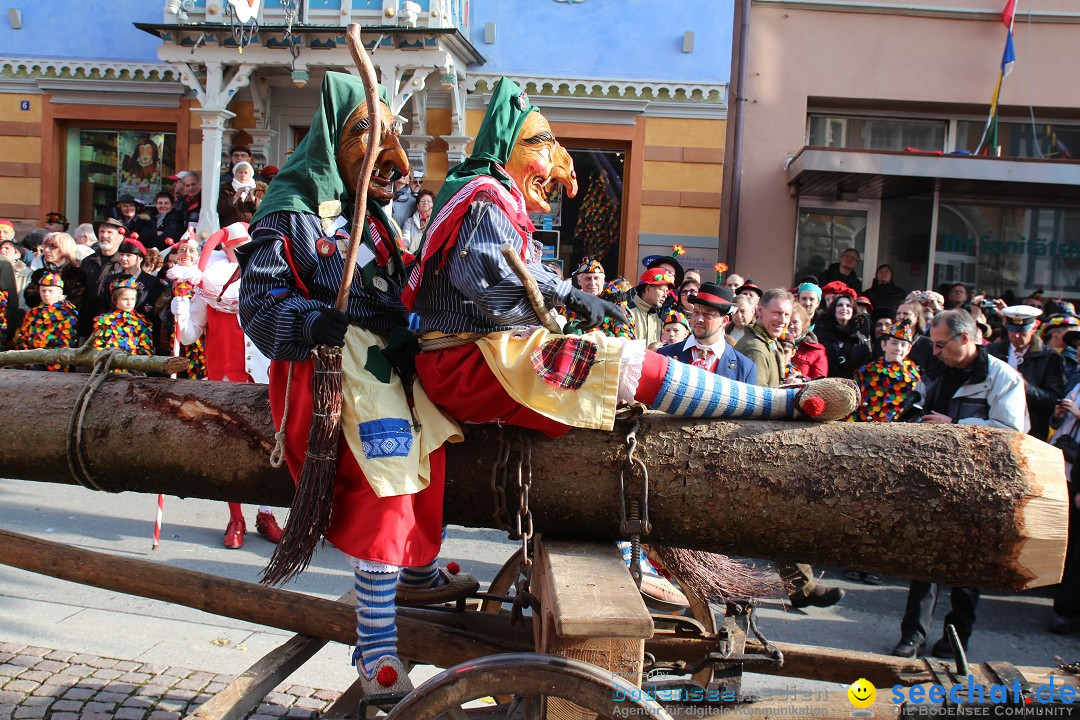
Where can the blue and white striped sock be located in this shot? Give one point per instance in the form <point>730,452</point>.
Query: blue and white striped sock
<point>422,576</point>
<point>643,560</point>
<point>376,626</point>
<point>689,391</point>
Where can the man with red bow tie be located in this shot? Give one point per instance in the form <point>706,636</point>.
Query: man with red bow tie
<point>707,346</point>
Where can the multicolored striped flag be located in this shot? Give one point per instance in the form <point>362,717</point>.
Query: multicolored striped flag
<point>1008,58</point>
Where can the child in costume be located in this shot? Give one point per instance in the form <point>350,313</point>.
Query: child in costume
<point>185,277</point>
<point>389,481</point>
<point>210,314</point>
<point>791,373</point>
<point>123,328</point>
<point>51,324</point>
<point>3,317</point>
<point>676,327</point>
<point>887,382</point>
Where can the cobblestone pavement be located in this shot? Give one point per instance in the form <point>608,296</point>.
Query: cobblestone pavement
<point>42,684</point>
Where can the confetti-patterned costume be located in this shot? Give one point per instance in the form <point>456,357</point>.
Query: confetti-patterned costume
<point>614,292</point>
<point>48,326</point>
<point>884,387</point>
<point>128,331</point>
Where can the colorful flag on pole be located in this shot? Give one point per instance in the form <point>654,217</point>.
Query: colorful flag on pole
<point>1008,58</point>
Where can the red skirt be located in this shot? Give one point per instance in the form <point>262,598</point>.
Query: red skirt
<point>460,382</point>
<point>403,530</point>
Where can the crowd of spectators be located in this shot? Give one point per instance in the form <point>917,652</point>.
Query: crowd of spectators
<point>951,355</point>
<point>912,353</point>
<point>112,281</point>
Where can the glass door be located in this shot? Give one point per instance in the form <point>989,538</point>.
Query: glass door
<point>826,230</point>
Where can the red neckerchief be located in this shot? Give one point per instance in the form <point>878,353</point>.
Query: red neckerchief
<point>442,233</point>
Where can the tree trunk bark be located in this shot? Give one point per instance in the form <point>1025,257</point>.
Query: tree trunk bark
<point>963,505</point>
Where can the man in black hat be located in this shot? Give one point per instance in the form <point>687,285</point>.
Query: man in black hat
<point>707,347</point>
<point>1042,368</point>
<point>882,319</point>
<point>98,267</point>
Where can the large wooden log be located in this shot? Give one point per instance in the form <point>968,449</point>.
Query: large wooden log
<point>969,506</point>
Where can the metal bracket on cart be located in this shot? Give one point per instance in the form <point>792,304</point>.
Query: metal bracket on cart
<point>674,679</point>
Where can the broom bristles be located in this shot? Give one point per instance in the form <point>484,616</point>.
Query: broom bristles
<point>309,514</point>
<point>714,577</point>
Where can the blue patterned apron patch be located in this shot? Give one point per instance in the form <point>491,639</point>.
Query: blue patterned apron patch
<point>388,437</point>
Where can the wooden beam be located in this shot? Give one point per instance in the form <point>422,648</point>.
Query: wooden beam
<point>428,637</point>
<point>244,694</point>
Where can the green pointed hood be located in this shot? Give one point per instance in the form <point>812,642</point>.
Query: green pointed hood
<point>310,176</point>
<point>506,111</point>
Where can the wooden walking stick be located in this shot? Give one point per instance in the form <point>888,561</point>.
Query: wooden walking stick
<point>309,516</point>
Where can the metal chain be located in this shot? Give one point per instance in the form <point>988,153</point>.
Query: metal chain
<point>524,519</point>
<point>498,483</point>
<point>522,528</point>
<point>291,8</point>
<point>634,513</point>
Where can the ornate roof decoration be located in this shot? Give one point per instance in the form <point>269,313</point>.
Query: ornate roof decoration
<point>654,90</point>
<point>73,68</point>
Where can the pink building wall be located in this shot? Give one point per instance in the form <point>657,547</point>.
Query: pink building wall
<point>874,60</point>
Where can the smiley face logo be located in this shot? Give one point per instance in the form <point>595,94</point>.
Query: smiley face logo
<point>862,693</point>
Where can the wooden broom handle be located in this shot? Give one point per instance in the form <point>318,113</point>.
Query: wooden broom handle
<point>371,89</point>
<point>532,290</point>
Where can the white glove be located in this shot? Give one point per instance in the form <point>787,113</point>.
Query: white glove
<point>180,306</point>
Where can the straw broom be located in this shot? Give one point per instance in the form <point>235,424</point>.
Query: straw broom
<point>309,516</point>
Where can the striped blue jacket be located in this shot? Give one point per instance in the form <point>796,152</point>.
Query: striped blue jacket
<point>275,313</point>
<point>476,291</point>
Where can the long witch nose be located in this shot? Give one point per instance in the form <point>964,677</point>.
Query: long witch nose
<point>394,154</point>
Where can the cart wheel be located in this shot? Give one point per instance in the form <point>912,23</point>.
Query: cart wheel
<point>529,679</point>
<point>502,582</point>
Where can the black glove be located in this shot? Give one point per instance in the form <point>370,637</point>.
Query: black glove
<point>329,327</point>
<point>592,309</point>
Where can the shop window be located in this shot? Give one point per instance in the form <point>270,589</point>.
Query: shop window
<point>1009,251</point>
<point>112,163</point>
<point>823,234</point>
<point>1023,139</point>
<point>875,133</point>
<point>591,223</point>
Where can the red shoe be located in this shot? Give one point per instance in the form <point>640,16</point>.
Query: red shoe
<point>267,526</point>
<point>234,534</point>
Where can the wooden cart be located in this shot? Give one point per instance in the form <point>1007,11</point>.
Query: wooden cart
<point>592,650</point>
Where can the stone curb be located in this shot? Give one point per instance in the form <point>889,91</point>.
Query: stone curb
<point>43,684</point>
